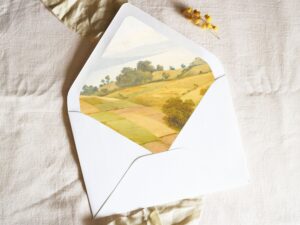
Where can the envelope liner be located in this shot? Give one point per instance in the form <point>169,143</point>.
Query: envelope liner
<point>149,99</point>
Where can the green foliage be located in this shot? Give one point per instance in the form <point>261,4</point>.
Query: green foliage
<point>197,61</point>
<point>165,76</point>
<point>141,74</point>
<point>88,90</point>
<point>177,112</point>
<point>145,66</point>
<point>159,68</point>
<point>132,77</point>
<point>189,70</point>
<point>135,76</point>
<point>104,91</point>
<point>107,79</point>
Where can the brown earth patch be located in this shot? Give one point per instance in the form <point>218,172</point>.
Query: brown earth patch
<point>169,139</point>
<point>156,146</point>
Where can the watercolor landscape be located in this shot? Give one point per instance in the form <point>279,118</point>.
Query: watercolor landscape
<point>148,105</point>
<point>150,99</point>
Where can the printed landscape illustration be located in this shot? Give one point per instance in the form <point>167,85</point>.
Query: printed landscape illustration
<point>148,104</point>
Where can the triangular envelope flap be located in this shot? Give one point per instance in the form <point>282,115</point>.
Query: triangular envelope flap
<point>213,122</point>
<point>101,151</point>
<point>211,160</point>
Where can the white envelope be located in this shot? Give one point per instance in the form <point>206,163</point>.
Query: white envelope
<point>121,175</point>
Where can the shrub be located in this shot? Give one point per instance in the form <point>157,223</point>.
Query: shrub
<point>159,68</point>
<point>197,61</point>
<point>104,90</point>
<point>145,66</point>
<point>88,90</point>
<point>132,77</point>
<point>165,76</point>
<point>177,112</point>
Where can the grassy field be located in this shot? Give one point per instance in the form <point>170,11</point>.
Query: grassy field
<point>136,112</point>
<point>155,94</point>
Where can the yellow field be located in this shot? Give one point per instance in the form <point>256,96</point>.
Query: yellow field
<point>136,112</point>
<point>141,124</point>
<point>157,75</point>
<point>155,94</point>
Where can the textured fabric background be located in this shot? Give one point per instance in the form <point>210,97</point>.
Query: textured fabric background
<point>40,179</point>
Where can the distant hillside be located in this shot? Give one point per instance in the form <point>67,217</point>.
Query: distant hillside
<point>195,70</point>
<point>164,75</point>
<point>149,105</point>
<point>136,112</point>
<point>156,93</point>
<point>144,73</point>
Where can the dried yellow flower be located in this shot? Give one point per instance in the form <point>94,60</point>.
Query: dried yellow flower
<point>189,10</point>
<point>196,14</point>
<point>215,27</point>
<point>204,26</point>
<point>188,13</point>
<point>203,22</point>
<point>207,17</point>
<point>196,21</point>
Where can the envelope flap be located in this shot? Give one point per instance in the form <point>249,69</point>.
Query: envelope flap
<point>188,171</point>
<point>101,152</point>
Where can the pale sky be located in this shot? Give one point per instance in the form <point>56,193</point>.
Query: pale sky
<point>132,34</point>
<point>134,41</point>
<point>174,57</point>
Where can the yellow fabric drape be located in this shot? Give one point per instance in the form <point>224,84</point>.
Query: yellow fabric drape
<point>89,18</point>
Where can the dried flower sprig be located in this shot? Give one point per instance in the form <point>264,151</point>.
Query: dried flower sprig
<point>203,22</point>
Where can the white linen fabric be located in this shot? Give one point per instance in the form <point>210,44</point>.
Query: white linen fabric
<point>40,178</point>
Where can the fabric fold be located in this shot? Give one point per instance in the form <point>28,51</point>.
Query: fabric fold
<point>184,212</point>
<point>88,18</point>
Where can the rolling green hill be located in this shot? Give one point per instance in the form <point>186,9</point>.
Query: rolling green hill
<point>136,112</point>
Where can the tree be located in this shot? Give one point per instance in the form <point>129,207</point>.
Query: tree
<point>88,90</point>
<point>172,68</point>
<point>145,66</point>
<point>159,68</point>
<point>183,66</point>
<point>104,91</point>
<point>165,76</point>
<point>177,112</point>
<point>132,77</point>
<point>107,79</point>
